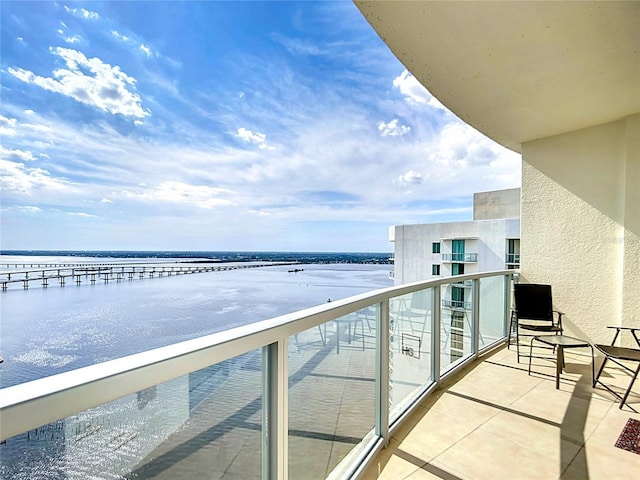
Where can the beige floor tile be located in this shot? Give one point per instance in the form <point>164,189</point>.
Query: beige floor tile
<point>576,416</point>
<point>391,464</point>
<point>536,434</point>
<point>484,456</point>
<point>463,407</point>
<point>495,389</point>
<point>434,434</point>
<point>609,463</point>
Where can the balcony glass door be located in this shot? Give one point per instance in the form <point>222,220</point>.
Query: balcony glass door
<point>457,249</point>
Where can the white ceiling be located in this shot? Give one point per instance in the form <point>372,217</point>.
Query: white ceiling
<point>518,71</point>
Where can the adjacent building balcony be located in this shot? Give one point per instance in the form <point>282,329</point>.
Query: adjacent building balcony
<point>456,305</point>
<point>460,257</point>
<point>512,258</point>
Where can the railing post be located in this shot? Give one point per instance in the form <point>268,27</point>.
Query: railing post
<point>435,334</point>
<point>475,317</point>
<point>275,398</point>
<point>508,280</point>
<point>382,371</point>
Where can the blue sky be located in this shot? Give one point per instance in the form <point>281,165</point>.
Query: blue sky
<point>222,126</point>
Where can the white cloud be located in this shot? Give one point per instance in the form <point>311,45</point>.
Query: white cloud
<point>37,127</point>
<point>73,39</point>
<point>7,126</point>
<point>410,178</point>
<point>255,138</point>
<point>16,177</point>
<point>414,91</point>
<point>107,88</point>
<point>146,50</point>
<point>82,13</point>
<point>105,200</point>
<point>15,154</point>
<point>182,193</point>
<point>81,214</point>
<point>30,209</point>
<point>119,36</point>
<point>393,129</point>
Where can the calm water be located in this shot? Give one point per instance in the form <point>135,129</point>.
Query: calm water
<point>48,331</point>
<point>44,331</point>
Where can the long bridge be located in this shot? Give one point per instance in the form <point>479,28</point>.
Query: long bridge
<point>108,272</point>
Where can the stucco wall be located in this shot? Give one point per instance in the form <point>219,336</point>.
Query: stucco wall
<point>580,224</point>
<point>496,204</point>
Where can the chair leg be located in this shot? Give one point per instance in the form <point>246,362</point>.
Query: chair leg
<point>595,379</point>
<point>626,394</point>
<point>510,333</point>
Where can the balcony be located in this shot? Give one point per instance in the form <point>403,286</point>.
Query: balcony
<point>493,421</point>
<point>317,393</point>
<point>512,258</point>
<point>460,257</point>
<point>456,305</point>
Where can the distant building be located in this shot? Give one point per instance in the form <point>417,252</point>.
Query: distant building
<point>490,242</point>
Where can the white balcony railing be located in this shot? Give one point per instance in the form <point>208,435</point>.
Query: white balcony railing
<point>346,372</point>
<point>456,304</point>
<point>460,257</point>
<point>512,258</point>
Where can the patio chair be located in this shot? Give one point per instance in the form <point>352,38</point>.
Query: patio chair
<point>618,355</point>
<point>533,312</point>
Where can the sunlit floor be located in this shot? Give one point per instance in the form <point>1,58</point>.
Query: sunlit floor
<point>494,421</point>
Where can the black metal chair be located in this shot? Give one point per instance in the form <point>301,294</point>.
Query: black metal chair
<point>533,312</point>
<point>617,355</point>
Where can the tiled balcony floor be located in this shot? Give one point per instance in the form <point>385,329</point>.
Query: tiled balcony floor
<point>493,421</point>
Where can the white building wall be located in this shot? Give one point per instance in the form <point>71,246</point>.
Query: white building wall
<point>581,232</point>
<point>413,246</point>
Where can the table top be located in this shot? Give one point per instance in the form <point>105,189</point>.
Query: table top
<point>562,341</point>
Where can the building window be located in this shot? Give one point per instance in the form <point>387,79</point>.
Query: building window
<point>457,268</point>
<point>455,355</point>
<point>457,320</point>
<point>513,250</point>
<point>435,247</point>
<point>457,340</point>
<point>435,269</point>
<point>457,250</point>
<point>457,297</point>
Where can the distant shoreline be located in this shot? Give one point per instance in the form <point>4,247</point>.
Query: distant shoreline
<point>215,256</point>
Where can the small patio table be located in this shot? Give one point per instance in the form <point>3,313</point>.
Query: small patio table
<point>560,342</point>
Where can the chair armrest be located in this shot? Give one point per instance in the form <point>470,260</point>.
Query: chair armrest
<point>559,317</point>
<point>619,328</point>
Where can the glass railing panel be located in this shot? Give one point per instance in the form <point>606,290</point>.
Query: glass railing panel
<point>456,323</point>
<point>331,392</point>
<point>409,348</point>
<point>200,425</point>
<point>492,310</point>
